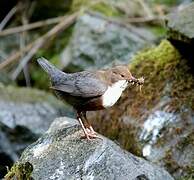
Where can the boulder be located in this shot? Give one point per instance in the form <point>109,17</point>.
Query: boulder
<point>61,153</point>
<point>181,23</point>
<point>31,108</point>
<point>180,26</point>
<point>25,114</point>
<point>100,41</point>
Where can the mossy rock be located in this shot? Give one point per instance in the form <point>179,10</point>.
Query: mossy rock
<point>162,65</point>
<point>20,171</point>
<point>168,90</point>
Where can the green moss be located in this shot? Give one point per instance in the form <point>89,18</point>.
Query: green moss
<point>20,171</point>
<point>78,4</point>
<point>159,31</point>
<point>106,9</point>
<point>160,55</point>
<point>167,2</point>
<point>156,66</point>
<point>102,7</point>
<point>162,66</point>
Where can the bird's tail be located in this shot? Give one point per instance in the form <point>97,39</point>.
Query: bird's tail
<point>48,67</point>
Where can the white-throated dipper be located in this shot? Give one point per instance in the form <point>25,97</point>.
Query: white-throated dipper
<point>89,90</point>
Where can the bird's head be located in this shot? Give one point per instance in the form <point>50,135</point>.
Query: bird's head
<point>123,73</point>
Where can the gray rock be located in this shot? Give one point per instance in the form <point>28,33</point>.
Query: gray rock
<point>61,154</point>
<point>180,26</point>
<point>24,115</point>
<point>181,22</point>
<point>31,108</point>
<point>99,41</point>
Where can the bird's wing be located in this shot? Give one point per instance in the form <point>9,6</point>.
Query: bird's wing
<point>82,86</point>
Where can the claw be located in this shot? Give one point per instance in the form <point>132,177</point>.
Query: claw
<point>92,130</point>
<point>90,136</point>
<point>88,131</point>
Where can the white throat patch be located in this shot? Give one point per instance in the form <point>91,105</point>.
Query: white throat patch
<point>113,93</point>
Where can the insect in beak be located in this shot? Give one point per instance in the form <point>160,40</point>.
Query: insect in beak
<point>139,82</point>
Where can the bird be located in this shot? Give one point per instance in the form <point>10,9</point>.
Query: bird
<point>89,90</point>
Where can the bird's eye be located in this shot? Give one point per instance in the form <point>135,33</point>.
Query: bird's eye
<point>122,75</point>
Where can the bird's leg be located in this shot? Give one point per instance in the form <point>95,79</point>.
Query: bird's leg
<point>82,125</point>
<point>90,129</point>
<point>85,122</point>
<point>89,126</point>
<point>88,134</point>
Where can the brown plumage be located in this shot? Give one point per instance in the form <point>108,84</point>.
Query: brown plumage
<point>89,90</point>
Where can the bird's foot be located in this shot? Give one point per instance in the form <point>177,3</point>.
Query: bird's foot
<point>90,130</point>
<point>91,136</point>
